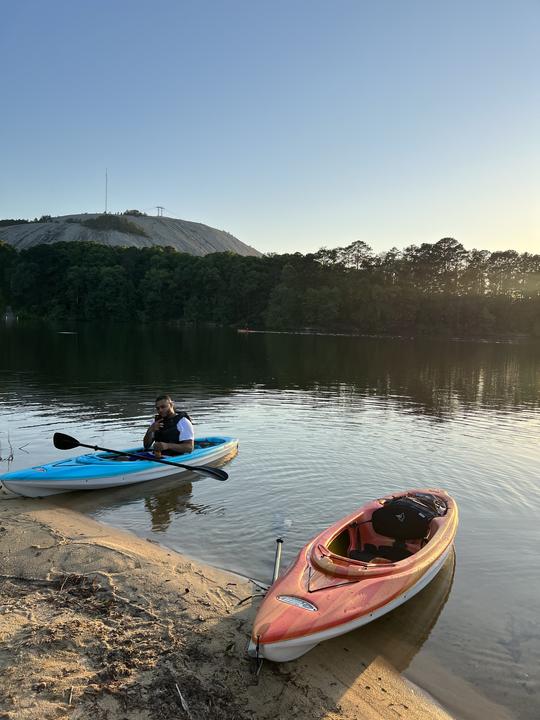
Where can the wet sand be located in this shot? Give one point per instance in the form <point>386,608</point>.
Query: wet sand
<point>97,623</point>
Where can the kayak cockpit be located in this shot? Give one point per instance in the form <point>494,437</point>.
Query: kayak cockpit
<point>201,445</point>
<point>383,533</point>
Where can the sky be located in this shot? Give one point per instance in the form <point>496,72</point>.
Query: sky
<point>292,124</point>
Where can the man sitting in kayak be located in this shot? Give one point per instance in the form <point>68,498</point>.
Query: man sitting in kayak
<point>171,432</point>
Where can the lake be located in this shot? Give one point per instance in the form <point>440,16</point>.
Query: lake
<point>325,423</point>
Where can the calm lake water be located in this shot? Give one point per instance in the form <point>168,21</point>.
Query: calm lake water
<point>325,424</point>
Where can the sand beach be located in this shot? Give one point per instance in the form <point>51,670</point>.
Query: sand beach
<point>97,624</point>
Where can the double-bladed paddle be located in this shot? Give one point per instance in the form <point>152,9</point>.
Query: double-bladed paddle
<point>66,442</point>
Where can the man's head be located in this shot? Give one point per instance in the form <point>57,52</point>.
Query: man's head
<point>164,405</point>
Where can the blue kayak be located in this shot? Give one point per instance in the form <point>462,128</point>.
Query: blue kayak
<point>94,471</point>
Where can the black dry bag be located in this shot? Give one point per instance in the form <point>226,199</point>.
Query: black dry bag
<point>403,518</point>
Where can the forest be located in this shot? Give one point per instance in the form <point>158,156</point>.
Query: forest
<point>430,289</point>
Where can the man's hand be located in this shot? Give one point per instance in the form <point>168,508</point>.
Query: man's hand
<point>160,446</point>
<point>156,425</point>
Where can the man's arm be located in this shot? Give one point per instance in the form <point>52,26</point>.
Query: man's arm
<point>148,439</point>
<point>149,435</point>
<point>186,446</point>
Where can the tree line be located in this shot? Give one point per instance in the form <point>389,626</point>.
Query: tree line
<point>438,288</point>
<point>6,222</point>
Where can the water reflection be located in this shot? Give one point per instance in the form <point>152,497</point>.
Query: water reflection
<point>429,377</point>
<point>399,635</point>
<point>166,506</point>
<point>162,506</point>
<point>162,500</point>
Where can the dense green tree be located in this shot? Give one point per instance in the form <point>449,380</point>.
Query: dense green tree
<point>11,221</point>
<point>8,258</point>
<point>111,298</point>
<point>328,257</point>
<point>356,255</point>
<point>113,222</point>
<point>156,293</point>
<point>429,288</point>
<point>321,307</point>
<point>474,277</point>
<point>504,273</point>
<point>25,280</point>
<point>284,307</point>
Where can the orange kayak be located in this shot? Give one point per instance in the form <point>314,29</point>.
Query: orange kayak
<point>360,568</point>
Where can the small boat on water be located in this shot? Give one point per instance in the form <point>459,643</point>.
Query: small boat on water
<point>360,568</point>
<point>94,471</point>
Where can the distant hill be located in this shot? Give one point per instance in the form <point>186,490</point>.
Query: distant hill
<point>125,230</point>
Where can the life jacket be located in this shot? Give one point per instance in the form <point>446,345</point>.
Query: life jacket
<point>169,432</point>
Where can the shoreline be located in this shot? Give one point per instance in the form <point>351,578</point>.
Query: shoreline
<point>511,339</point>
<point>98,623</point>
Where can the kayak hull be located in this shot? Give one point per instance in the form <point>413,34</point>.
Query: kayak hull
<point>325,594</point>
<point>95,471</point>
<point>292,649</point>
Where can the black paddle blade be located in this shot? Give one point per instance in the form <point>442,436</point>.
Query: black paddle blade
<point>211,472</point>
<point>64,442</point>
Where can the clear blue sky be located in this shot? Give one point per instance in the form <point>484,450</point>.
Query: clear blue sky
<point>291,124</point>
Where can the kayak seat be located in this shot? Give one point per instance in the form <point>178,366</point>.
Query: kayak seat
<point>396,552</point>
<point>203,444</point>
<point>359,548</point>
<point>367,551</point>
<point>393,553</point>
<point>403,519</point>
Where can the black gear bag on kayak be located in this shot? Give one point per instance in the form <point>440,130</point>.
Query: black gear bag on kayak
<point>408,517</point>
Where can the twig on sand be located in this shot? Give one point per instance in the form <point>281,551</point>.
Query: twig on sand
<point>249,597</point>
<point>77,579</point>
<point>185,707</point>
<point>65,581</point>
<point>140,609</point>
<point>22,578</point>
<point>70,695</point>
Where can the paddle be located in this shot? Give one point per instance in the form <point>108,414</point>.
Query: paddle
<point>66,442</point>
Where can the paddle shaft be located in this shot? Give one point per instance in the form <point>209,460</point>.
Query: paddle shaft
<point>211,472</point>
<point>277,560</point>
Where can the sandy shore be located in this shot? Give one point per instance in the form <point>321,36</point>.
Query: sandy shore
<point>96,623</point>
